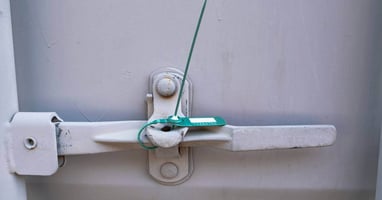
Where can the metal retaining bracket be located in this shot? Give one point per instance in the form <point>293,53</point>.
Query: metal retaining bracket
<point>169,164</point>
<point>37,139</point>
<point>32,143</point>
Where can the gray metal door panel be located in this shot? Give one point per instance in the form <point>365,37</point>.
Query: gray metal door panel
<point>255,63</point>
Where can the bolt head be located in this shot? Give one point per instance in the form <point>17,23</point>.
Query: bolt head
<point>166,87</point>
<point>169,170</point>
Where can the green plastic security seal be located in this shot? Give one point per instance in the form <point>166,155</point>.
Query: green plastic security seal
<point>181,122</point>
<point>196,121</point>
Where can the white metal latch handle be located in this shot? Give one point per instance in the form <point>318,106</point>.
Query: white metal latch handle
<point>95,137</point>
<point>248,138</point>
<point>37,139</point>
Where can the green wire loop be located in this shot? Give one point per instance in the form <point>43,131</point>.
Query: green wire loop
<point>139,137</point>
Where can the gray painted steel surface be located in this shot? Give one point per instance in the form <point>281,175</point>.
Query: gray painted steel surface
<point>256,63</point>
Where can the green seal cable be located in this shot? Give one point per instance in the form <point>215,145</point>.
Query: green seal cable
<point>163,121</point>
<point>143,128</point>
<point>189,57</point>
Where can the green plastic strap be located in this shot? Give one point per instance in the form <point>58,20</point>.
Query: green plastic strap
<point>176,121</point>
<point>196,121</point>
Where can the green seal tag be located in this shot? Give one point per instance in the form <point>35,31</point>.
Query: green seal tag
<point>196,121</point>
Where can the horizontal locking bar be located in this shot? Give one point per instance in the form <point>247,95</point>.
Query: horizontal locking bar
<point>36,139</point>
<point>96,137</point>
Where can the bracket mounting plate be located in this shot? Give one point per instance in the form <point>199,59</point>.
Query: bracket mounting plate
<point>169,166</point>
<point>33,145</point>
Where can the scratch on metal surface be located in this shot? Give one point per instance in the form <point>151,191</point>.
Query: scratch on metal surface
<point>87,119</point>
<point>5,14</point>
<point>219,5</point>
<point>8,144</point>
<point>36,23</point>
<point>308,44</point>
<point>64,139</point>
<point>127,74</point>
